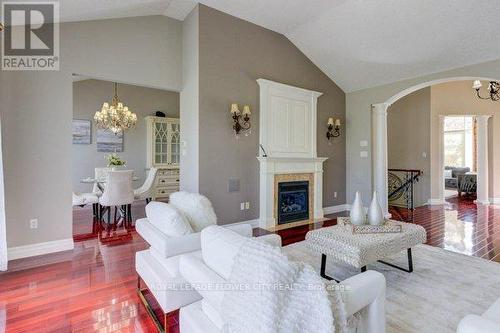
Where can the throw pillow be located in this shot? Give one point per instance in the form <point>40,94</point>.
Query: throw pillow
<point>196,208</point>
<point>167,219</point>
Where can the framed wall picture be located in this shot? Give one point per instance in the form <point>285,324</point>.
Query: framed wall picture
<point>109,142</point>
<point>82,132</point>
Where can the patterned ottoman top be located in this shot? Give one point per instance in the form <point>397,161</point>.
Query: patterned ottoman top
<point>358,250</point>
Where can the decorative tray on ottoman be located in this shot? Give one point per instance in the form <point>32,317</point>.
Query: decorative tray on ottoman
<point>389,227</point>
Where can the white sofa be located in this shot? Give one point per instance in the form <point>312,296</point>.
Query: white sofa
<point>158,266</point>
<point>366,296</point>
<point>488,322</point>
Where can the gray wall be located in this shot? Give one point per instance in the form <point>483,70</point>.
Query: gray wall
<point>408,136</point>
<point>88,96</point>
<point>233,54</point>
<point>36,110</point>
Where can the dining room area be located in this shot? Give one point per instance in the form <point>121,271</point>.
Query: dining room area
<point>125,153</point>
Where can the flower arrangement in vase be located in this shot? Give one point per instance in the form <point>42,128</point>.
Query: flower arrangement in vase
<point>115,161</point>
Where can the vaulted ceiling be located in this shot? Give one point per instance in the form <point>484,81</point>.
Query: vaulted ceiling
<point>357,43</point>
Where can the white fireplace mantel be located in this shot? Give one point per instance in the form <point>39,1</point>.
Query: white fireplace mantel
<point>271,166</point>
<point>288,133</point>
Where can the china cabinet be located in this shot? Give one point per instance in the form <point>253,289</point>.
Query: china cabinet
<point>163,152</point>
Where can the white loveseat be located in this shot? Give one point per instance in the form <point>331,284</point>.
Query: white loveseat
<point>158,266</point>
<point>366,295</point>
<point>488,322</point>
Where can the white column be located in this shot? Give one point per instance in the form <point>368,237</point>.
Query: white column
<point>379,153</point>
<point>482,160</point>
<point>440,175</point>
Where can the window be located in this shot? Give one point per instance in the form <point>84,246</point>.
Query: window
<point>459,142</point>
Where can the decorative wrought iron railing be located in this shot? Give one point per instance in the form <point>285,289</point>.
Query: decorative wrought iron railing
<point>401,183</point>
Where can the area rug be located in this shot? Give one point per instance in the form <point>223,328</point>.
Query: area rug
<point>443,288</point>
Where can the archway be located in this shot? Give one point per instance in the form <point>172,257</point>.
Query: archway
<point>380,148</point>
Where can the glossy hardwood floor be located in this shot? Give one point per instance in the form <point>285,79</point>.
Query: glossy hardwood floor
<point>459,226</point>
<point>93,287</point>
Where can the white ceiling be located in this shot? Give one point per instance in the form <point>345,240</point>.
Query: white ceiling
<point>357,43</point>
<point>85,10</point>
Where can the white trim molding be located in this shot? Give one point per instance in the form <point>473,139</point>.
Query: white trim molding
<point>434,202</point>
<point>37,249</point>
<point>336,209</point>
<point>254,223</point>
<point>495,201</point>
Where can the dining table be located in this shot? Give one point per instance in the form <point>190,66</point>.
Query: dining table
<point>100,182</point>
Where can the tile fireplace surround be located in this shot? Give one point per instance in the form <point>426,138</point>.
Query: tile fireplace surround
<point>293,177</point>
<point>274,170</point>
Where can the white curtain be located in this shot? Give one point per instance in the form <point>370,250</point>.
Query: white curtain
<point>3,230</point>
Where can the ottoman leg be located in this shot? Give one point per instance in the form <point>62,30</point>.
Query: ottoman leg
<point>410,263</point>
<point>323,268</point>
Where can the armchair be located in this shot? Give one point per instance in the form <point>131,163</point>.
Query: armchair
<point>366,295</point>
<point>488,322</point>
<point>158,266</point>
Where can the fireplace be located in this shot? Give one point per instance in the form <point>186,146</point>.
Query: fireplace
<point>293,201</point>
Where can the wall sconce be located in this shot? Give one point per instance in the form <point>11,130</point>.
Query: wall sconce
<point>333,128</point>
<point>241,119</point>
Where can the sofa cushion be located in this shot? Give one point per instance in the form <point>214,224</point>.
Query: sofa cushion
<point>171,264</point>
<point>196,208</point>
<point>167,219</point>
<point>219,247</point>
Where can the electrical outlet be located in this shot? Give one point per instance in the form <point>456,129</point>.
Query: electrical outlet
<point>247,205</point>
<point>34,223</point>
<point>335,195</point>
<point>242,206</point>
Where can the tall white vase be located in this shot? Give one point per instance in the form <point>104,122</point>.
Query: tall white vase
<point>357,214</point>
<point>375,215</point>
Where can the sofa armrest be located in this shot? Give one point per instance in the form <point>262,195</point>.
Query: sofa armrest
<point>367,291</point>
<point>271,239</point>
<point>203,279</point>
<point>477,324</point>
<point>167,246</point>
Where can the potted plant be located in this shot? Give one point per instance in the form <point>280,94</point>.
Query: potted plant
<point>115,162</point>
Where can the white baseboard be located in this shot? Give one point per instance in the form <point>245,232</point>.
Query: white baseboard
<point>433,202</point>
<point>336,209</point>
<point>495,201</point>
<point>254,223</point>
<point>37,249</point>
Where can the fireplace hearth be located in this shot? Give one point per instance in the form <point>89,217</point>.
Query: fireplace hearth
<point>293,201</point>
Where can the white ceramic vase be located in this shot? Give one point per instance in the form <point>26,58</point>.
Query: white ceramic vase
<point>375,215</point>
<point>357,214</point>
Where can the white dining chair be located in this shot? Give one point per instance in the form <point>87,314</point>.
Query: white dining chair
<point>146,191</point>
<point>83,199</point>
<point>118,193</point>
<point>99,174</point>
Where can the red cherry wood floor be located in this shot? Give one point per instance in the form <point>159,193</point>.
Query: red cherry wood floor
<point>93,287</point>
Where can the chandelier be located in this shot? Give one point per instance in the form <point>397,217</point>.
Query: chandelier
<point>115,117</point>
<point>493,89</point>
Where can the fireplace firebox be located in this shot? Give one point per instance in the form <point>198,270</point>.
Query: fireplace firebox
<point>293,201</point>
